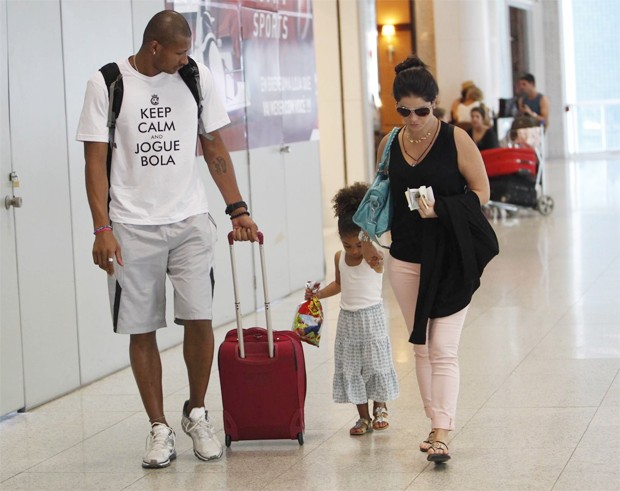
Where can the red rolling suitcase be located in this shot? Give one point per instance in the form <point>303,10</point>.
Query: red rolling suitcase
<point>504,161</point>
<point>262,376</point>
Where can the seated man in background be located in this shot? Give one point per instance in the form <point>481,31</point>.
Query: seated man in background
<point>531,102</point>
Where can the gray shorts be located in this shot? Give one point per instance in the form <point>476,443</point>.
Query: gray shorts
<point>184,251</point>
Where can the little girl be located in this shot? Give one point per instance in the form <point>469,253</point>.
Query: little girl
<point>363,355</point>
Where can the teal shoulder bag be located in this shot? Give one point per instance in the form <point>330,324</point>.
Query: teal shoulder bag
<point>374,214</point>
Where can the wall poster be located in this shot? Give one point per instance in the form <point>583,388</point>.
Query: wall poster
<point>261,54</point>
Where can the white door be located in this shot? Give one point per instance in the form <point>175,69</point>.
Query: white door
<point>42,231</point>
<point>11,365</point>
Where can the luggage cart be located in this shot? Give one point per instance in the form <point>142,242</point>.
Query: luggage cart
<point>516,173</point>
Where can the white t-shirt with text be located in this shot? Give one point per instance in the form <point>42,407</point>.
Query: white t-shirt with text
<point>155,177</point>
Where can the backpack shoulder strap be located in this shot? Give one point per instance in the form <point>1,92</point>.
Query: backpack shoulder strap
<point>114,82</point>
<point>191,76</point>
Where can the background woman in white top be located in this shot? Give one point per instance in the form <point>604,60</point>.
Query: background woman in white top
<point>363,354</point>
<point>473,99</point>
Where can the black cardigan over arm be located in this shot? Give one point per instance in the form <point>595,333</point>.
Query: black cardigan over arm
<point>457,247</point>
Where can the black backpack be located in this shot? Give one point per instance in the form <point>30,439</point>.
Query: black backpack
<point>114,82</point>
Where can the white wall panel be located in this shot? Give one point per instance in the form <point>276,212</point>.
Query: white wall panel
<point>11,363</point>
<point>43,224</point>
<point>358,161</point>
<point>142,11</point>
<point>464,51</point>
<point>552,82</point>
<point>325,22</point>
<point>303,220</point>
<point>268,183</point>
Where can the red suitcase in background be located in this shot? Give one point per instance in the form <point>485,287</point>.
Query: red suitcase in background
<point>262,376</point>
<point>521,161</point>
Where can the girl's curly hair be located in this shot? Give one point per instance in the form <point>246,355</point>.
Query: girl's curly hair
<point>346,203</point>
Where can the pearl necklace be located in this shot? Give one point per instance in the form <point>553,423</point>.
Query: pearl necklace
<point>426,150</point>
<point>419,140</point>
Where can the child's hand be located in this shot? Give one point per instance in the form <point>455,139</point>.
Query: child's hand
<point>312,290</point>
<point>375,261</point>
<point>369,252</point>
<point>371,255</point>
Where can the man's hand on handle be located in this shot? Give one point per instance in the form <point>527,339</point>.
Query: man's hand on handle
<point>244,229</point>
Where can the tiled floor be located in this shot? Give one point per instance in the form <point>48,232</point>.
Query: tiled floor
<point>540,394</point>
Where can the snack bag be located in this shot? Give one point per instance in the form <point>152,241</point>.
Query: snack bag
<point>309,318</point>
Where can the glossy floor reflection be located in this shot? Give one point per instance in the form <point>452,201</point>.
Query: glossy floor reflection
<point>540,394</point>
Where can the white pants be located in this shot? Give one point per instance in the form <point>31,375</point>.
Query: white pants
<point>436,362</point>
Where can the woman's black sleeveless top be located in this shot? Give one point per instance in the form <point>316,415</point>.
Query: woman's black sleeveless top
<point>439,169</point>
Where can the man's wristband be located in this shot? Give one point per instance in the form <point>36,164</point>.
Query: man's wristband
<point>233,206</point>
<point>102,229</point>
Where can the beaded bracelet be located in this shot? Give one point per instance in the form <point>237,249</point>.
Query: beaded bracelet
<point>102,229</point>
<point>232,217</point>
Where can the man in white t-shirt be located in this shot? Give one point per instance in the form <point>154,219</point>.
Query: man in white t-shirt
<point>157,220</point>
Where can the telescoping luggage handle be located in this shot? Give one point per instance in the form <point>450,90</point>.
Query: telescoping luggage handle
<point>231,242</point>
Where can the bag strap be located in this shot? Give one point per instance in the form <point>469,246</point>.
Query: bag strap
<point>385,157</point>
<point>114,82</point>
<point>191,76</point>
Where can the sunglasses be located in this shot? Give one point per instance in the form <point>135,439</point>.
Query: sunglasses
<point>420,111</point>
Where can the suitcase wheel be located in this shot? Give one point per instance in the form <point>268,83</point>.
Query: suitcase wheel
<point>544,204</point>
<point>227,440</point>
<point>300,438</point>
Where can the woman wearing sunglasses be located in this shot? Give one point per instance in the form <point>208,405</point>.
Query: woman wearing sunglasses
<point>440,247</point>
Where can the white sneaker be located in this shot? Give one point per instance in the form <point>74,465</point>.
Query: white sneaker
<point>197,425</point>
<point>159,447</point>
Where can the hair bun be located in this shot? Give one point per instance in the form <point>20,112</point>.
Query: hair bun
<point>410,62</point>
